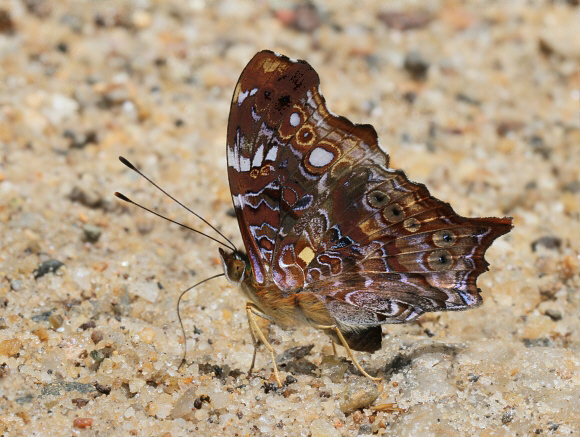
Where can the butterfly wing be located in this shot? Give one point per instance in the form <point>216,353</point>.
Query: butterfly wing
<point>320,210</point>
<point>282,142</point>
<point>265,92</point>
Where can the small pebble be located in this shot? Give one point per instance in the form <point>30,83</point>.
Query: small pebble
<point>87,197</point>
<point>105,389</point>
<point>365,429</point>
<point>55,321</point>
<point>15,284</point>
<point>83,423</point>
<point>290,380</point>
<point>87,325</point>
<point>549,242</point>
<point>416,65</point>
<point>294,353</point>
<point>359,393</point>
<point>508,416</point>
<point>91,233</point>
<point>41,333</point>
<point>96,336</point>
<point>6,24</point>
<point>10,347</point>
<point>80,402</point>
<point>555,315</point>
<point>50,266</point>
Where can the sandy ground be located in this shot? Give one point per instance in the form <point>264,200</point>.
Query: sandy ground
<point>487,116</point>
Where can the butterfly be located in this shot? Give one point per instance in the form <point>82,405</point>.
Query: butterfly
<point>333,237</point>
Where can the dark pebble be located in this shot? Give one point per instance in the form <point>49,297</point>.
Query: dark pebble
<point>60,387</point>
<point>549,242</point>
<point>365,429</point>
<point>290,380</point>
<point>573,187</point>
<point>506,126</point>
<point>50,266</point>
<point>416,65</point>
<point>105,389</point>
<point>42,317</point>
<point>508,416</point>
<point>87,325</point>
<point>96,336</point>
<point>538,145</point>
<point>62,47</point>
<point>467,99</point>
<point>24,399</point>
<point>555,315</point>
<point>80,402</point>
<point>537,342</point>
<point>91,233</point>
<point>294,353</point>
<point>6,23</point>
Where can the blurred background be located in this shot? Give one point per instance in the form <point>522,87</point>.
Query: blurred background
<point>478,100</point>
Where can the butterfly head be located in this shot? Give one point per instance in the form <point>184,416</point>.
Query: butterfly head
<point>235,264</point>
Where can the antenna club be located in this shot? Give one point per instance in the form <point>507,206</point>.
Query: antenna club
<point>122,197</point>
<point>127,163</point>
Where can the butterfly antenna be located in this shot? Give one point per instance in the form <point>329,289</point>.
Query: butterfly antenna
<point>231,246</point>
<point>126,199</point>
<point>183,360</point>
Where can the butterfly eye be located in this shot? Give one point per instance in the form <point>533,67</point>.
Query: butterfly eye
<point>378,199</point>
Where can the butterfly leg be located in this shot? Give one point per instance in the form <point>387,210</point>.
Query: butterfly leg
<point>255,343</point>
<point>334,348</point>
<point>347,347</point>
<point>252,311</point>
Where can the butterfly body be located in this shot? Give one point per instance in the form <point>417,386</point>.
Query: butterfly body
<point>335,238</point>
<point>285,309</point>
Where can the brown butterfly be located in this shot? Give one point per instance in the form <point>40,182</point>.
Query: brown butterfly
<point>334,238</point>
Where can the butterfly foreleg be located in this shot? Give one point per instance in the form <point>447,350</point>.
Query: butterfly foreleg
<point>346,346</point>
<point>252,311</point>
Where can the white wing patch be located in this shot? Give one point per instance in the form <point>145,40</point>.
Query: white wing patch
<point>272,153</point>
<point>231,157</point>
<point>242,97</point>
<point>258,157</point>
<point>320,157</point>
<point>244,164</point>
<point>294,119</point>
